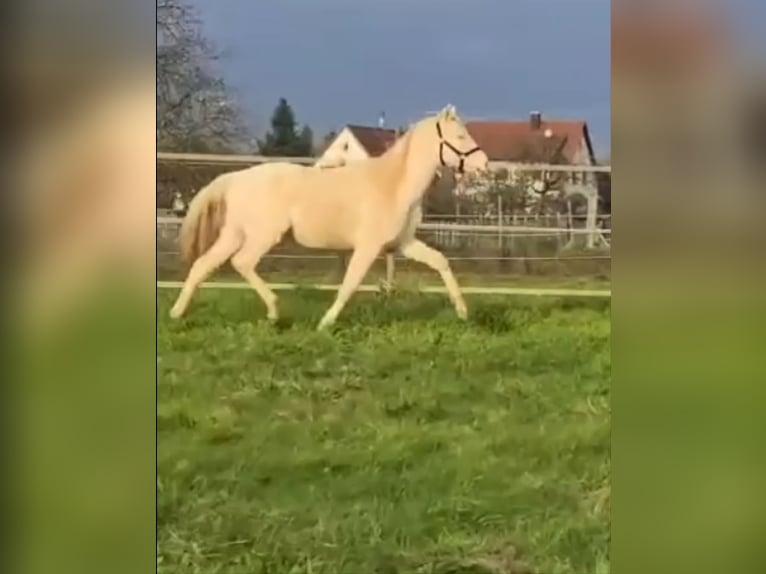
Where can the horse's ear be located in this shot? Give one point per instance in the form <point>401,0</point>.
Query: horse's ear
<point>449,112</point>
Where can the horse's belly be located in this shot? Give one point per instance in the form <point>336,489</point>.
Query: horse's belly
<point>343,233</point>
<point>322,235</point>
<point>322,242</point>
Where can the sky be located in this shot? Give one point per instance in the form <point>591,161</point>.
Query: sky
<point>345,61</point>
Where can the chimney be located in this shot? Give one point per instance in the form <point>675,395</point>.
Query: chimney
<point>535,120</point>
<point>382,120</point>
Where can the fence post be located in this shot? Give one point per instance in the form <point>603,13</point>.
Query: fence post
<point>389,270</point>
<point>500,223</point>
<point>590,219</point>
<point>342,264</point>
<point>513,236</point>
<point>570,221</point>
<point>561,235</point>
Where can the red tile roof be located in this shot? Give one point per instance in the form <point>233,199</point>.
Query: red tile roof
<point>374,140</point>
<point>520,141</point>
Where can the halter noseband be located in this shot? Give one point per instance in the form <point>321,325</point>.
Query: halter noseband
<point>460,154</point>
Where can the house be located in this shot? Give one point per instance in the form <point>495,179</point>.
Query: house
<point>535,140</point>
<point>357,142</point>
<point>539,140</point>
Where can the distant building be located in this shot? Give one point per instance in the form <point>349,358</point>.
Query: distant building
<point>355,143</point>
<point>535,140</point>
<point>539,140</point>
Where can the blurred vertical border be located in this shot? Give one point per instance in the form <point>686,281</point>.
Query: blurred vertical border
<point>80,304</point>
<point>689,175</point>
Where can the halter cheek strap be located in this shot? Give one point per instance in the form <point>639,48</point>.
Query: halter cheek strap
<point>460,154</point>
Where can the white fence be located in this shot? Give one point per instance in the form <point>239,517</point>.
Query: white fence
<point>229,159</point>
<point>442,233</point>
<point>391,266</point>
<point>495,290</point>
<point>511,230</point>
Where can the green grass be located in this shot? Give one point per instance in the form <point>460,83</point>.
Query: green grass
<point>408,280</point>
<point>409,274</point>
<point>403,441</point>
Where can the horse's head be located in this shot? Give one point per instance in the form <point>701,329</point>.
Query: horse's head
<point>457,149</point>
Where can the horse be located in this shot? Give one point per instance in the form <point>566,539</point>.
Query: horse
<point>365,206</point>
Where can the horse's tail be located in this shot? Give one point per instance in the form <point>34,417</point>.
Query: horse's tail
<point>204,220</point>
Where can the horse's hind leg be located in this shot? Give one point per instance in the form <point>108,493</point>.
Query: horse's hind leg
<point>227,243</point>
<point>358,265</point>
<point>245,261</point>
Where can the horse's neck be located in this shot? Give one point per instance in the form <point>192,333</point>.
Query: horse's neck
<point>419,166</point>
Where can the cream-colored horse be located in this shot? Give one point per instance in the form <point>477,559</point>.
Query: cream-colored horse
<point>364,206</point>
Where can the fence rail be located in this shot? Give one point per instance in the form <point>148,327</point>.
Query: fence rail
<point>459,227</point>
<point>500,247</point>
<point>500,255</point>
<point>224,159</point>
<point>527,291</point>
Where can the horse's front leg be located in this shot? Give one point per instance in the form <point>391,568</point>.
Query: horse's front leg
<point>360,262</point>
<point>416,250</point>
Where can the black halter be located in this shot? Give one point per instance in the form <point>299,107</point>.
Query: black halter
<point>460,154</point>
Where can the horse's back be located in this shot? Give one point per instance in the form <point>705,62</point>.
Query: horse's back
<point>326,208</point>
<point>265,182</point>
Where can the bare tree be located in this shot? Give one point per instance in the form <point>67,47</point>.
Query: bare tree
<point>195,111</point>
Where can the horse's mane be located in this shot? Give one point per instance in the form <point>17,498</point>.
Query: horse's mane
<point>389,168</point>
<point>403,141</point>
<point>393,161</point>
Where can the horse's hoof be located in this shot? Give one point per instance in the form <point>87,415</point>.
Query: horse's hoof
<point>462,313</point>
<point>175,313</point>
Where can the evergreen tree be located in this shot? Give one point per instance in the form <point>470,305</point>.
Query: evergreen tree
<point>306,140</point>
<point>327,141</point>
<point>284,139</point>
<point>330,137</point>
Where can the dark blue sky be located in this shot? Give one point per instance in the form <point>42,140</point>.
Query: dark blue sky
<point>344,61</point>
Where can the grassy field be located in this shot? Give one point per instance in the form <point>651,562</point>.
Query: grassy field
<point>563,273</point>
<point>404,441</point>
<point>408,279</point>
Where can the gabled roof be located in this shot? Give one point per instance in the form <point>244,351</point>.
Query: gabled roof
<point>375,141</point>
<point>520,141</point>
